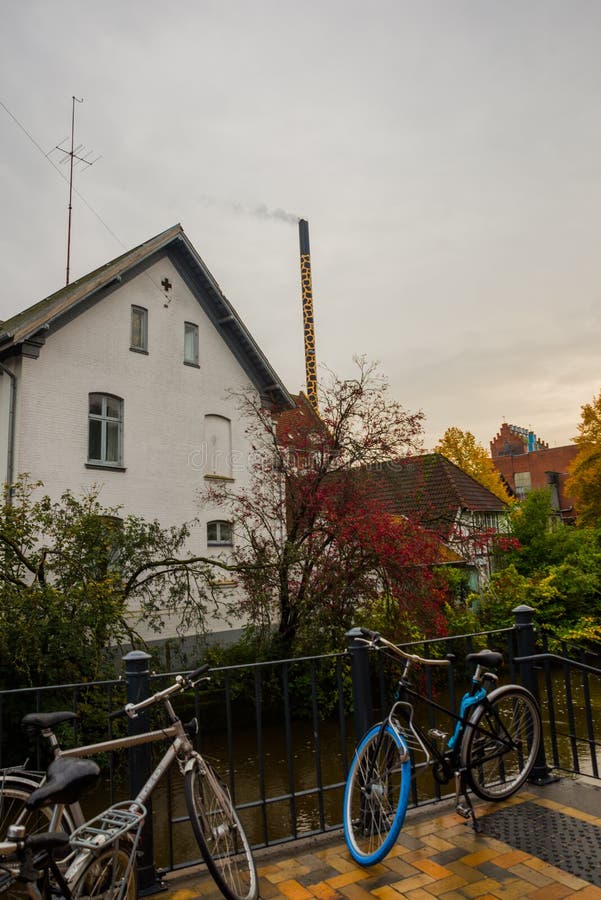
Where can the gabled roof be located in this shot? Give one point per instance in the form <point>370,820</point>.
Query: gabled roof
<point>301,419</point>
<point>53,311</point>
<point>430,488</point>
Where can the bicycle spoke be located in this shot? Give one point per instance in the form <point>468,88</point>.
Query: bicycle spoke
<point>376,795</point>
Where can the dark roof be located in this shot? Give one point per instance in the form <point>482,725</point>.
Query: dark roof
<point>430,488</point>
<point>53,311</point>
<point>302,418</point>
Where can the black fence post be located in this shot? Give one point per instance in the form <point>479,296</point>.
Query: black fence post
<point>526,641</point>
<point>362,699</point>
<point>137,675</point>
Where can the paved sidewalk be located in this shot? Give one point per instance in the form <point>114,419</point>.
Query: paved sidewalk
<point>551,848</point>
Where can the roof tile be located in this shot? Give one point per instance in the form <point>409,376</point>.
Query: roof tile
<point>430,488</point>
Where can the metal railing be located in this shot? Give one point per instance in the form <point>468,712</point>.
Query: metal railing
<point>570,698</point>
<point>282,733</point>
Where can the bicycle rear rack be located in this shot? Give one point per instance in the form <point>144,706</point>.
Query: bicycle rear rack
<point>115,821</point>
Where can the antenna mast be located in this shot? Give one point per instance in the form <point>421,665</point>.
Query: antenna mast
<point>71,155</point>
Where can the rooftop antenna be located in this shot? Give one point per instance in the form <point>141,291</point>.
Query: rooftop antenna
<point>75,155</point>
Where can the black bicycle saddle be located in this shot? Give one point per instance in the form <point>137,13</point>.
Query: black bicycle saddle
<point>47,720</point>
<point>489,658</point>
<point>67,780</point>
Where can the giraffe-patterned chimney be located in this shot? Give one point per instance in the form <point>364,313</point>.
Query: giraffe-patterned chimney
<point>308,326</point>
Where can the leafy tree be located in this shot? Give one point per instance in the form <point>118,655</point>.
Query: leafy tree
<point>71,570</point>
<point>462,449</point>
<point>585,481</point>
<point>541,539</point>
<point>314,548</point>
<point>554,568</point>
<point>493,606</point>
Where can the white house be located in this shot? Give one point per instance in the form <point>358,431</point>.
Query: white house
<point>122,379</point>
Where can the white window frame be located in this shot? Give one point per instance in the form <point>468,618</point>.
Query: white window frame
<point>523,483</point>
<point>218,443</point>
<point>143,346</point>
<point>191,327</point>
<point>105,420</point>
<point>219,541</point>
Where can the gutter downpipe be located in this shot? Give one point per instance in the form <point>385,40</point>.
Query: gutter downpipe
<point>11,429</point>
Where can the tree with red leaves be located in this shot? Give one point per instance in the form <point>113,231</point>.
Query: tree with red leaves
<point>313,550</point>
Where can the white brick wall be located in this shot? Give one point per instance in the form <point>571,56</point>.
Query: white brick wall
<point>165,403</point>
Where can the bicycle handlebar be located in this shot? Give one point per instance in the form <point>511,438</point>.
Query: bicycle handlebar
<point>196,674</point>
<point>182,683</point>
<point>376,640</point>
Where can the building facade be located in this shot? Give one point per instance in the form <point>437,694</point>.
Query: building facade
<point>126,379</point>
<point>527,464</point>
<point>445,500</point>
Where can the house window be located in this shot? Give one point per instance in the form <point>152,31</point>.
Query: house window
<point>105,430</point>
<point>219,533</point>
<point>218,443</point>
<point>523,484</point>
<point>139,329</point>
<point>190,343</point>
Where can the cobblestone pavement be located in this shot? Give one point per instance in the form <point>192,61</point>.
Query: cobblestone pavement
<point>438,856</point>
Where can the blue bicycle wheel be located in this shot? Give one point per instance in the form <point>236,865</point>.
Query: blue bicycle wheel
<point>376,795</point>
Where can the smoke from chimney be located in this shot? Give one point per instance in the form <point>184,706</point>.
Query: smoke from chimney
<point>259,211</point>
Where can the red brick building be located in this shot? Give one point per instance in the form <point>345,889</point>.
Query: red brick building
<point>527,464</point>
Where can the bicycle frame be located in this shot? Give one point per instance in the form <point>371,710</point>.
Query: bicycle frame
<point>180,743</point>
<point>476,695</point>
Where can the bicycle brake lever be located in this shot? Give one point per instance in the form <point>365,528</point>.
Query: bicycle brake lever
<point>198,680</point>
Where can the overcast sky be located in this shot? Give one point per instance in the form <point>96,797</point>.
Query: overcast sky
<point>446,153</point>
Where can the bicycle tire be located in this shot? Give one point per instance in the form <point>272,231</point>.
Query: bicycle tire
<point>373,815</point>
<point>495,770</point>
<point>14,791</point>
<point>219,832</point>
<point>103,878</point>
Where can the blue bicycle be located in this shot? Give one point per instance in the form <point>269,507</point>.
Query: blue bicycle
<point>492,751</point>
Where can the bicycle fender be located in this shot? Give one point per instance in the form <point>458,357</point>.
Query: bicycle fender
<point>195,758</point>
<point>25,777</point>
<point>190,764</point>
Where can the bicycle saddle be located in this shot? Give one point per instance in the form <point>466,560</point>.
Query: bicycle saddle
<point>67,780</point>
<point>47,720</point>
<point>487,658</point>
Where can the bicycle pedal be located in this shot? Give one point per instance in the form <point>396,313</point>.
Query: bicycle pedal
<point>438,735</point>
<point>463,811</point>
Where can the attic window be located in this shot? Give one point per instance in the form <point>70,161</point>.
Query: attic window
<point>139,329</point>
<point>190,344</point>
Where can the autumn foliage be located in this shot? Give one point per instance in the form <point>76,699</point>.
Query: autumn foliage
<point>462,448</point>
<point>585,481</point>
<point>314,551</point>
